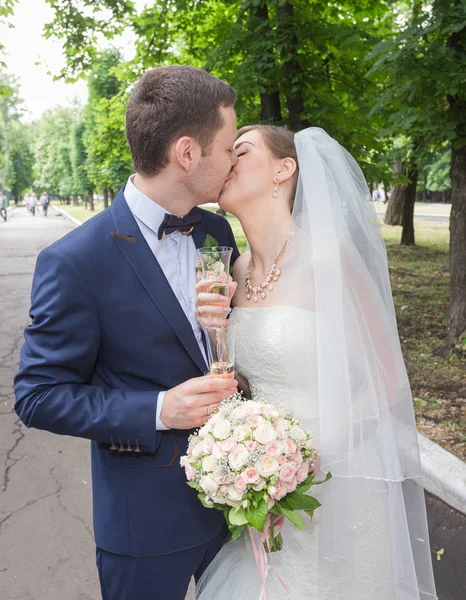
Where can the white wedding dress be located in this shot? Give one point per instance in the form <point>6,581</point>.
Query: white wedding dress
<point>273,349</point>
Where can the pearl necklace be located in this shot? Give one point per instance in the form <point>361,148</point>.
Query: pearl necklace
<point>272,275</point>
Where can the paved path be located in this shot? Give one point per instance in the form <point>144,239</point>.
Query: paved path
<point>46,544</point>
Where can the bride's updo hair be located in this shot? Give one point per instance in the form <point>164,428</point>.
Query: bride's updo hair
<point>280,142</point>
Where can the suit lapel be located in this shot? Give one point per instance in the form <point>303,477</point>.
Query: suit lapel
<point>199,234</point>
<point>151,275</point>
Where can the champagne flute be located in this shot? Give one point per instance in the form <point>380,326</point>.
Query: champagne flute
<point>221,350</point>
<point>213,265</point>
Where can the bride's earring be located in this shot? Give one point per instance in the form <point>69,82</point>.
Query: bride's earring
<point>275,193</point>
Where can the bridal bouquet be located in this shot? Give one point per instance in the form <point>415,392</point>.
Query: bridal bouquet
<point>253,461</point>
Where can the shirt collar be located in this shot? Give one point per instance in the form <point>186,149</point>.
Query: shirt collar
<point>142,207</point>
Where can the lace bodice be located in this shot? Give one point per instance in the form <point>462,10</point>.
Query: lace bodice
<point>274,353</point>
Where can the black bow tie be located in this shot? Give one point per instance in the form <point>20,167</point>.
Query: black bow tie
<point>186,224</point>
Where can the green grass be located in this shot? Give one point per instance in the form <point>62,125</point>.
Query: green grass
<point>420,283</point>
<point>79,212</point>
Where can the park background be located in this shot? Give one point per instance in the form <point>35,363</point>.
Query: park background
<point>387,79</point>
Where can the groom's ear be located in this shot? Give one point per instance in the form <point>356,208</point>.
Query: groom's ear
<point>186,153</point>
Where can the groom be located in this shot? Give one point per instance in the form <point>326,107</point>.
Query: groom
<point>114,353</point>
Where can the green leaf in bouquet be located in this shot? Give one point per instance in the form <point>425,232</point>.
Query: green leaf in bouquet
<point>297,501</point>
<point>258,515</point>
<point>209,242</point>
<point>193,484</point>
<point>202,498</point>
<point>237,516</point>
<point>293,517</point>
<point>310,481</point>
<point>236,531</point>
<point>310,513</point>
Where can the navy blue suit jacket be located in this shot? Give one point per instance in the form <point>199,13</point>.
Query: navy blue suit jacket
<point>107,335</point>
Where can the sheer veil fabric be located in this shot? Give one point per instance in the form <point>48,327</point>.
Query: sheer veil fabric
<point>339,358</point>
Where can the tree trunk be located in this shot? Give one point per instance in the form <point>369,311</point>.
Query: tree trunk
<point>105,193</point>
<point>111,195</point>
<point>456,328</point>
<point>407,235</point>
<point>292,72</point>
<point>75,199</point>
<point>394,213</point>
<point>270,99</point>
<point>85,200</point>
<point>91,200</point>
<point>271,109</point>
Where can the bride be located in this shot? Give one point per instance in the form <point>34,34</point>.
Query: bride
<point>316,331</point>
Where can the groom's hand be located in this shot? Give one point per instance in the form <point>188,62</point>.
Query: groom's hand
<point>189,405</point>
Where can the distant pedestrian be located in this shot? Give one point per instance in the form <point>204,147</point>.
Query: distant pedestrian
<point>44,202</point>
<point>34,204</point>
<point>3,206</point>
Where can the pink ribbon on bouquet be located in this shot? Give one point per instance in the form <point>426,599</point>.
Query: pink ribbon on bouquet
<point>260,555</point>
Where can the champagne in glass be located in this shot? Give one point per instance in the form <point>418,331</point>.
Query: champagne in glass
<point>221,350</point>
<point>213,265</point>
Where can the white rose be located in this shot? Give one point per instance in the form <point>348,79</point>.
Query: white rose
<point>217,451</point>
<point>208,485</point>
<point>270,411</point>
<point>234,494</point>
<point>240,432</point>
<point>267,466</point>
<point>208,443</point>
<point>297,434</point>
<point>222,429</point>
<point>190,473</point>
<point>209,464</point>
<point>259,485</point>
<point>239,413</point>
<point>265,433</point>
<point>184,461</point>
<point>282,423</point>
<point>238,457</point>
<point>229,502</point>
<point>198,450</point>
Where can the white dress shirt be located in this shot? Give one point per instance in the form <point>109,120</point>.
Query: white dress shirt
<point>176,255</point>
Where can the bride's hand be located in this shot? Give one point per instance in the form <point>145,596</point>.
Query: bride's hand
<point>213,309</point>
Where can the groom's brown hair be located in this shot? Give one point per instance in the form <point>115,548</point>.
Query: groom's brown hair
<point>170,102</point>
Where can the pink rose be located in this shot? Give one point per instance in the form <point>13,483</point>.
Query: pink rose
<point>302,473</point>
<point>273,449</point>
<point>291,486</point>
<point>281,460</point>
<point>251,475</point>
<point>280,490</point>
<point>290,446</point>
<point>287,473</point>
<point>298,458</point>
<point>256,420</point>
<point>240,483</point>
<point>251,446</point>
<point>228,444</point>
<point>270,504</point>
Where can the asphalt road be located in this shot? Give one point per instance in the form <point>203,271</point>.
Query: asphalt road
<point>46,544</point>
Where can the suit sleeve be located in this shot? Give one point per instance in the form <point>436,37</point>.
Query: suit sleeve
<point>58,359</point>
